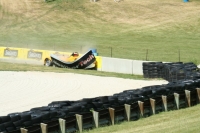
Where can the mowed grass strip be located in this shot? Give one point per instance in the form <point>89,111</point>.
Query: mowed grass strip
<point>177,121</point>
<point>7,66</point>
<point>166,30</point>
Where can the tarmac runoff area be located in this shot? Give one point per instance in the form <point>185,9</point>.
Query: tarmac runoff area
<point>21,91</point>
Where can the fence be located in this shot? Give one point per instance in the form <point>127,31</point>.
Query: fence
<point>126,52</point>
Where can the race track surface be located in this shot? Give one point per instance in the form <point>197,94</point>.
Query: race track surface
<point>21,91</point>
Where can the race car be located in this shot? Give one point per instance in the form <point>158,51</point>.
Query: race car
<point>75,61</point>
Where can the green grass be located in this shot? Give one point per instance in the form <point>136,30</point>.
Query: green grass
<point>129,27</point>
<point>6,66</point>
<point>177,121</point>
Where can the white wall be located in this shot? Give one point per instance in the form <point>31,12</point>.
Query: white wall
<point>116,65</point>
<point>125,66</point>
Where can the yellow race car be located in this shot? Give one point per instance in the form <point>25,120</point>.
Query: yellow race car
<point>75,61</point>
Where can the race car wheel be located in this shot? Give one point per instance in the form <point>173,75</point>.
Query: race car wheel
<point>48,62</point>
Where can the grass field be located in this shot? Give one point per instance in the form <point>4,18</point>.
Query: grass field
<point>129,27</point>
<point>177,121</point>
<point>134,29</point>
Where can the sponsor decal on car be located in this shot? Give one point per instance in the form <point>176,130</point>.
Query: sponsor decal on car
<point>10,52</point>
<point>34,55</point>
<point>84,62</point>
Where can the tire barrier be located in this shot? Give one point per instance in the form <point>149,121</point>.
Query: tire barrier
<point>171,71</point>
<point>129,105</point>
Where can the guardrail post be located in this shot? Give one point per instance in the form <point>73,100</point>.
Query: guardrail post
<point>79,120</point>
<point>23,130</point>
<point>96,118</point>
<point>43,127</point>
<point>176,96</point>
<point>141,106</point>
<point>62,125</point>
<point>152,102</point>
<point>128,111</point>
<point>164,99</point>
<point>198,93</point>
<point>112,115</point>
<point>187,94</point>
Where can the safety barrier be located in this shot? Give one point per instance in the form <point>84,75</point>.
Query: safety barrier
<point>33,54</point>
<point>108,116</point>
<point>125,66</point>
<point>106,64</point>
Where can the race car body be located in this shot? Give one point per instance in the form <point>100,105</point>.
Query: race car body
<point>74,60</point>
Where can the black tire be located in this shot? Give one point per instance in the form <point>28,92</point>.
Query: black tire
<point>27,123</point>
<point>48,63</point>
<point>4,119</point>
<point>15,118</point>
<point>26,117</point>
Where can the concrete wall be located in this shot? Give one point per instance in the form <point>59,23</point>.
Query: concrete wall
<point>106,64</point>
<point>137,67</point>
<point>125,66</point>
<point>116,65</point>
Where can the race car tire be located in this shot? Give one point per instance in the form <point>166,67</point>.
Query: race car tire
<point>48,63</point>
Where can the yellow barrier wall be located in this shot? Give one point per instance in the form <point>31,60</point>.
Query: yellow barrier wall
<point>12,52</point>
<point>98,62</point>
<point>35,54</point>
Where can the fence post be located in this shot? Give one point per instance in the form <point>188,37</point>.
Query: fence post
<point>62,125</point>
<point>96,118</point>
<point>179,55</point>
<point>141,106</point>
<point>164,99</point>
<point>111,51</point>
<point>176,96</point>
<point>128,111</point>
<point>44,128</point>
<point>23,130</point>
<point>112,115</point>
<point>187,94</point>
<point>198,94</point>
<point>146,54</point>
<point>152,102</point>
<point>79,120</point>
<point>81,49</point>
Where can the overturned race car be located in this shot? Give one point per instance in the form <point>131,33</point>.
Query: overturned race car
<point>74,61</point>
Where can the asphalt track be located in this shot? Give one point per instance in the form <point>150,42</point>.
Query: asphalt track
<point>21,91</point>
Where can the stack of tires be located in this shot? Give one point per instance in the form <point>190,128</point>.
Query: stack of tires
<point>171,71</point>
<point>180,71</point>
<point>152,69</point>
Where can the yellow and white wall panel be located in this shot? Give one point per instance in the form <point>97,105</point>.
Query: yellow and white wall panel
<point>35,54</point>
<point>98,62</point>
